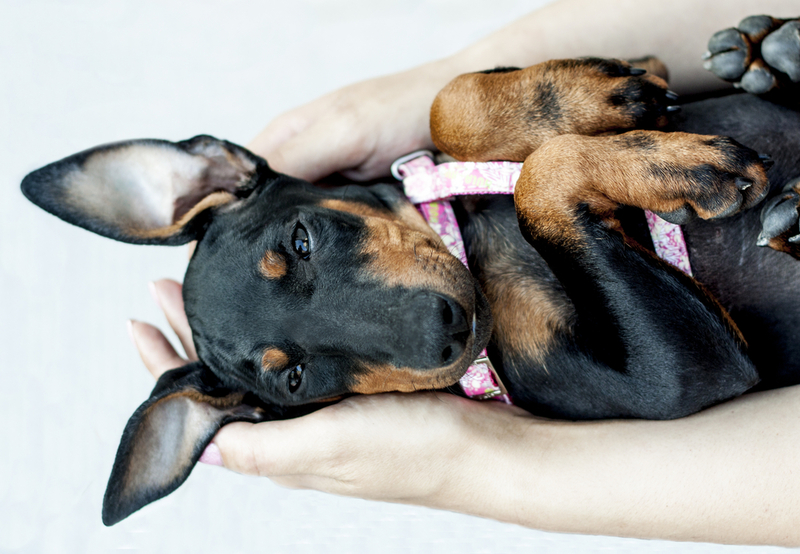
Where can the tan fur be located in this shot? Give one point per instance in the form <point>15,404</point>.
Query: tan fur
<point>213,200</point>
<point>405,251</point>
<point>652,65</point>
<point>603,173</point>
<point>496,116</point>
<point>274,359</point>
<point>516,299</point>
<point>385,378</point>
<point>272,265</point>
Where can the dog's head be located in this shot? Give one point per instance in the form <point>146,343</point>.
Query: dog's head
<point>295,294</point>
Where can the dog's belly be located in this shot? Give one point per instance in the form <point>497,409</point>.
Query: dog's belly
<point>758,286</point>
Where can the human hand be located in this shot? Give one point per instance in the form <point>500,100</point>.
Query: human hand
<point>358,130</point>
<point>421,448</point>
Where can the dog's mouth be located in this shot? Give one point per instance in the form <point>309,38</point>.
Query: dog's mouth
<point>481,323</point>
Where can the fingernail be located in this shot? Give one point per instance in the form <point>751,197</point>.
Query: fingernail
<point>129,324</point>
<point>211,455</point>
<point>154,293</point>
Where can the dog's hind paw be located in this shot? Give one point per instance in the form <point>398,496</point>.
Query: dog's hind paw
<point>779,221</point>
<point>507,113</point>
<point>760,55</point>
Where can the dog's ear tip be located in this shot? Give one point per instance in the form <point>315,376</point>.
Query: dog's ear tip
<point>31,186</point>
<point>114,509</point>
<point>111,515</point>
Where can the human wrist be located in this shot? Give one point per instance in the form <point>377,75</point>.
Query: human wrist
<point>491,463</point>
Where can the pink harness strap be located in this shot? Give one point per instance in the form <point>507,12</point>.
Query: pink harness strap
<point>430,186</point>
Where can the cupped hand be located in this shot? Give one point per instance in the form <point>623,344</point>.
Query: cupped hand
<point>358,130</point>
<point>414,448</point>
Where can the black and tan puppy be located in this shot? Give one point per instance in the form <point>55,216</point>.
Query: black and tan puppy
<point>298,295</point>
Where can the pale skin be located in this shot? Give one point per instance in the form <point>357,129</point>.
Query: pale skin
<point>729,474</point>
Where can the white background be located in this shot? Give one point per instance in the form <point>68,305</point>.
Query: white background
<point>77,74</point>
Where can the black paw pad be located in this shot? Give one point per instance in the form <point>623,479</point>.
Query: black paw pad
<point>781,50</point>
<point>761,55</point>
<point>728,54</point>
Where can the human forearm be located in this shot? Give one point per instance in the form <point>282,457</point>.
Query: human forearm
<point>677,32</point>
<point>728,474</point>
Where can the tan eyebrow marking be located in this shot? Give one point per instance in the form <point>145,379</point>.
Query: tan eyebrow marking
<point>274,359</point>
<point>272,265</point>
<point>354,208</point>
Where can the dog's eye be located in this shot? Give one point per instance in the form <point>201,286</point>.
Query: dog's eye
<point>295,378</point>
<point>300,241</point>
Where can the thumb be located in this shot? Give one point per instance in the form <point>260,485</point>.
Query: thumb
<point>327,146</point>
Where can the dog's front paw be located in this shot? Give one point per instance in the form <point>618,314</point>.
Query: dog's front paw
<point>761,54</point>
<point>779,221</point>
<point>507,113</point>
<point>620,96</point>
<point>716,176</point>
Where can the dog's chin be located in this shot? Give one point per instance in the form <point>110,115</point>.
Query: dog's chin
<point>482,322</point>
<point>481,333</point>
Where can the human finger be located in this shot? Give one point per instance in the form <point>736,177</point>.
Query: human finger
<point>329,145</point>
<point>155,350</point>
<point>386,446</point>
<point>168,294</point>
<point>286,126</point>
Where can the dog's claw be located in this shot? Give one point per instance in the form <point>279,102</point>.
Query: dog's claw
<point>672,95</point>
<point>637,71</point>
<point>673,108</point>
<point>743,184</point>
<point>779,220</point>
<point>766,161</point>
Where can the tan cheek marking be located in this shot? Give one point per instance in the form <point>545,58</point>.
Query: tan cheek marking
<point>274,359</point>
<point>272,265</point>
<point>385,378</point>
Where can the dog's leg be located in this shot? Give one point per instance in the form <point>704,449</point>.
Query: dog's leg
<point>761,55</point>
<point>644,335</point>
<point>506,114</point>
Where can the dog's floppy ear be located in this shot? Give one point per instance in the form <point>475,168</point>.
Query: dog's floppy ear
<point>166,435</point>
<point>147,191</point>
